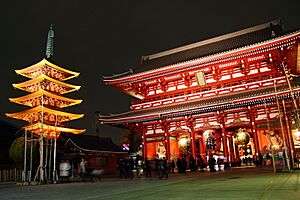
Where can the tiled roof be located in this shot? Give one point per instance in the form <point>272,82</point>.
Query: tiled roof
<point>223,43</point>
<point>212,46</point>
<point>94,143</point>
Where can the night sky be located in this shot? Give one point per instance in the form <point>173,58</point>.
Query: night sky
<point>99,38</point>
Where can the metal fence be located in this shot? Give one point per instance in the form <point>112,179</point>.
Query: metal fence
<point>10,175</point>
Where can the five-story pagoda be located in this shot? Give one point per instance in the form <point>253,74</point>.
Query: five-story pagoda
<point>45,101</point>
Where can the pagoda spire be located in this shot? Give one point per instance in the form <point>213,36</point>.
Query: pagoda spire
<point>50,42</point>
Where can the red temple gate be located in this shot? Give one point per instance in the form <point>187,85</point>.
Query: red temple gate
<point>235,95</point>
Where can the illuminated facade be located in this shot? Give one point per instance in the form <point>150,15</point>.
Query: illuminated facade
<point>236,95</point>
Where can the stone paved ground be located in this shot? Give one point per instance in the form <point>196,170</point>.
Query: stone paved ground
<point>257,183</point>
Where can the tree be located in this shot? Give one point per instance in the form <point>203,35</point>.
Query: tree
<point>16,152</point>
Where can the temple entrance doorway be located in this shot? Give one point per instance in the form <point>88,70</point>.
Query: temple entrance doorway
<point>245,146</point>
<point>180,144</point>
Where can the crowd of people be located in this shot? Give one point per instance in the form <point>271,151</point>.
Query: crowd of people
<point>160,167</point>
<point>125,167</point>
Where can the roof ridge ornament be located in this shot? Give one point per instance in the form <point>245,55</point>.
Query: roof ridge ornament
<point>50,43</point>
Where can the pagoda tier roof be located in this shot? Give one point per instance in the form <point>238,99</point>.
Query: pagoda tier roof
<point>28,114</point>
<point>201,53</point>
<point>38,127</point>
<point>27,100</point>
<point>206,105</point>
<point>53,86</point>
<point>34,71</point>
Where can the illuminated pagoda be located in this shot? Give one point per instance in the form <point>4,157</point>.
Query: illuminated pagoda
<point>45,102</point>
<point>235,96</point>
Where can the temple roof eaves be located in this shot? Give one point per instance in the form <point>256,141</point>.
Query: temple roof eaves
<point>45,77</point>
<point>45,93</point>
<point>43,62</point>
<point>118,75</point>
<point>39,125</point>
<point>19,115</point>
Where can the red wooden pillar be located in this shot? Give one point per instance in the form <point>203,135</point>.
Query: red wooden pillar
<point>255,137</point>
<point>252,115</point>
<point>224,140</point>
<point>144,144</point>
<point>237,153</point>
<point>231,148</point>
<point>167,145</point>
<point>190,123</point>
<point>193,145</point>
<point>166,127</point>
<point>201,147</point>
<point>221,120</point>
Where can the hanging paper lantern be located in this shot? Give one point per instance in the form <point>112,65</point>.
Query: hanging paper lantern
<point>183,142</point>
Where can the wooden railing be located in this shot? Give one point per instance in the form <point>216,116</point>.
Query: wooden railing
<point>10,175</point>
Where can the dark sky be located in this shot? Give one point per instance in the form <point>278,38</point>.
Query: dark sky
<point>103,37</point>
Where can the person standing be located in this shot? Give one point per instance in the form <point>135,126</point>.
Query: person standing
<point>138,167</point>
<point>212,163</point>
<point>156,166</point>
<point>165,167</point>
<point>201,163</point>
<point>160,169</point>
<point>121,167</point>
<point>192,164</point>
<point>260,159</point>
<point>148,169</point>
<point>183,165</point>
<point>268,159</point>
<point>173,166</point>
<point>179,165</point>
<point>131,167</point>
<point>82,169</point>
